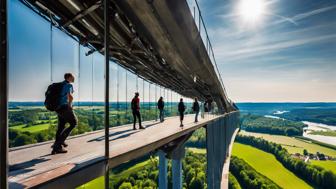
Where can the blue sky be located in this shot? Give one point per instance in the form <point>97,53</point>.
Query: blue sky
<point>289,54</point>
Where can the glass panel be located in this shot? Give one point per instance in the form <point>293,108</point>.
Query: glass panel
<point>113,94</point>
<point>98,90</point>
<point>122,96</point>
<point>141,92</point>
<point>153,99</point>
<point>131,89</point>
<point>27,84</point>
<point>38,57</point>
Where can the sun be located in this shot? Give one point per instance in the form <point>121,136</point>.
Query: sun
<point>251,11</point>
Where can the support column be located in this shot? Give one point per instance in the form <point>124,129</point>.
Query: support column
<point>177,173</point>
<point>163,164</point>
<point>3,96</point>
<point>177,154</point>
<point>220,135</point>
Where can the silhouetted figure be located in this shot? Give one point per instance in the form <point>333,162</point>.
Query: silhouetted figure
<point>160,106</point>
<point>209,104</point>
<point>65,114</point>
<point>196,109</point>
<point>205,106</point>
<point>136,110</point>
<point>181,109</point>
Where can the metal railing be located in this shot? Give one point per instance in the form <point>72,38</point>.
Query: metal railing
<point>200,24</point>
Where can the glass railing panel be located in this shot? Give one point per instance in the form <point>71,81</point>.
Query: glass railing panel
<point>38,57</point>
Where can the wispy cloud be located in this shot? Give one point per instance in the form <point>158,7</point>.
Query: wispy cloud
<point>231,46</point>
<point>295,19</point>
<point>277,61</point>
<point>275,47</point>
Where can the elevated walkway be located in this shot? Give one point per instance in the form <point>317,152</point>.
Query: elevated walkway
<point>34,165</point>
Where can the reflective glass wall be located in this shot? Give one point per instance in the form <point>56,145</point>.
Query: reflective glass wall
<point>39,55</point>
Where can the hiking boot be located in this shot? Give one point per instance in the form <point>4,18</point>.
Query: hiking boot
<point>58,151</point>
<point>63,144</point>
<point>141,127</point>
<point>181,125</point>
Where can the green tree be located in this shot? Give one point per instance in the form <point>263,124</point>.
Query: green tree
<point>196,183</point>
<point>126,185</point>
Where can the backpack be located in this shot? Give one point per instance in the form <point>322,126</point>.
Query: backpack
<point>52,96</point>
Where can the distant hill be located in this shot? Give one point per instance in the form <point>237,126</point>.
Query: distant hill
<point>326,116</point>
<point>271,108</point>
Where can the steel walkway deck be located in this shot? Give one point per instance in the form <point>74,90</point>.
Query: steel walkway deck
<point>33,165</point>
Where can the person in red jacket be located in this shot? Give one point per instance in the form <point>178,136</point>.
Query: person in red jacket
<point>136,110</point>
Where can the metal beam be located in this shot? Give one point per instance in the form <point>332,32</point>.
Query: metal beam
<point>107,83</point>
<point>83,13</point>
<point>3,95</point>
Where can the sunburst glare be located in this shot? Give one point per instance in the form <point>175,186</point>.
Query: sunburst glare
<point>251,11</point>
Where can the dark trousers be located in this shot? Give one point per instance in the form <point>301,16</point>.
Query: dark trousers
<point>196,116</point>
<point>161,116</point>
<point>64,115</point>
<point>136,113</point>
<point>181,116</point>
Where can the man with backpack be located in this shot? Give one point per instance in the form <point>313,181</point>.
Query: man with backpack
<point>160,106</point>
<point>59,97</point>
<point>136,110</point>
<point>181,109</point>
<point>196,109</point>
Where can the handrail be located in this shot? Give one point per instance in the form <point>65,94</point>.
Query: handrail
<point>208,43</point>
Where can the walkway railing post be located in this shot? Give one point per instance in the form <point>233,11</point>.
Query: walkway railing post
<point>107,83</point>
<point>3,96</point>
<point>163,174</point>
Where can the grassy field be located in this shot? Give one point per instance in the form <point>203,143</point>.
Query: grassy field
<point>324,133</point>
<point>266,164</point>
<point>33,128</point>
<point>329,165</point>
<point>127,172</point>
<point>99,182</point>
<point>198,150</point>
<point>96,183</point>
<point>294,145</point>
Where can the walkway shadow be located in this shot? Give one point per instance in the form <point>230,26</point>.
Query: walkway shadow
<point>110,135</point>
<point>128,131</point>
<point>16,185</point>
<point>24,167</point>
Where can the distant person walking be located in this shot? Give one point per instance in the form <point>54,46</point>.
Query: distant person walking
<point>59,98</point>
<point>136,110</point>
<point>196,109</point>
<point>181,109</point>
<point>160,106</point>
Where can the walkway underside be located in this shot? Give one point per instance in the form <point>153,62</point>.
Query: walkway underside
<point>158,40</point>
<point>33,165</point>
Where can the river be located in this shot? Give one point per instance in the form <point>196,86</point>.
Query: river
<point>320,126</point>
<point>316,127</point>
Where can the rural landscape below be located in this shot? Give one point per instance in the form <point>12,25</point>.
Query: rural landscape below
<point>280,145</point>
